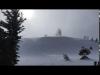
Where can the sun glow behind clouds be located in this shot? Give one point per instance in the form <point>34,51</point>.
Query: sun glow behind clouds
<point>73,23</point>
<point>28,14</point>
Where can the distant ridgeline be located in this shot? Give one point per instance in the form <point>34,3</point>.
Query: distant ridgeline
<point>55,45</point>
<point>58,33</point>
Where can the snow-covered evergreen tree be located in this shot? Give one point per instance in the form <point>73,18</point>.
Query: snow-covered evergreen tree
<point>84,52</point>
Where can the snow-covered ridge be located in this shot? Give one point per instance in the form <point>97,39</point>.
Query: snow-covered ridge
<point>49,51</point>
<point>55,45</point>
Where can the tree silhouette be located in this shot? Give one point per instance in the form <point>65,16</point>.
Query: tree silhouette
<point>59,33</point>
<point>92,39</point>
<point>84,52</point>
<point>96,40</point>
<point>13,23</point>
<point>3,52</point>
<point>86,37</point>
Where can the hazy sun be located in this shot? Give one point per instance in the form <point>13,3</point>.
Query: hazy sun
<point>28,14</point>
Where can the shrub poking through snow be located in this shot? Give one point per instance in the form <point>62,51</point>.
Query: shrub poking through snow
<point>66,57</point>
<point>91,48</point>
<point>84,52</point>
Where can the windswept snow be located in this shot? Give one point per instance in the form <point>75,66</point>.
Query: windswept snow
<point>49,51</point>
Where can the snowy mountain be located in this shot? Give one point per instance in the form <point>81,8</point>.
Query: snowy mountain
<point>53,48</point>
<point>55,45</point>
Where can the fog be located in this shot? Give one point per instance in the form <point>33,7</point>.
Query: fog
<point>73,23</point>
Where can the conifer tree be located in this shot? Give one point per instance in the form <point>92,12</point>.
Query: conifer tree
<point>13,23</point>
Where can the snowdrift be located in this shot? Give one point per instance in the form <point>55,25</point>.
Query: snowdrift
<point>49,50</point>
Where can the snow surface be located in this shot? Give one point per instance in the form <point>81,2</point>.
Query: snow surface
<point>52,60</point>
<point>49,51</point>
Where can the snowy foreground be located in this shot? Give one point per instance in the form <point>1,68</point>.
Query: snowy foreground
<point>49,51</point>
<point>55,60</point>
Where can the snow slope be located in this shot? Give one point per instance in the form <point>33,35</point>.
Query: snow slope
<point>49,50</point>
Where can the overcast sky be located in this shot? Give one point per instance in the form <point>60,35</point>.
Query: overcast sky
<point>73,23</point>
